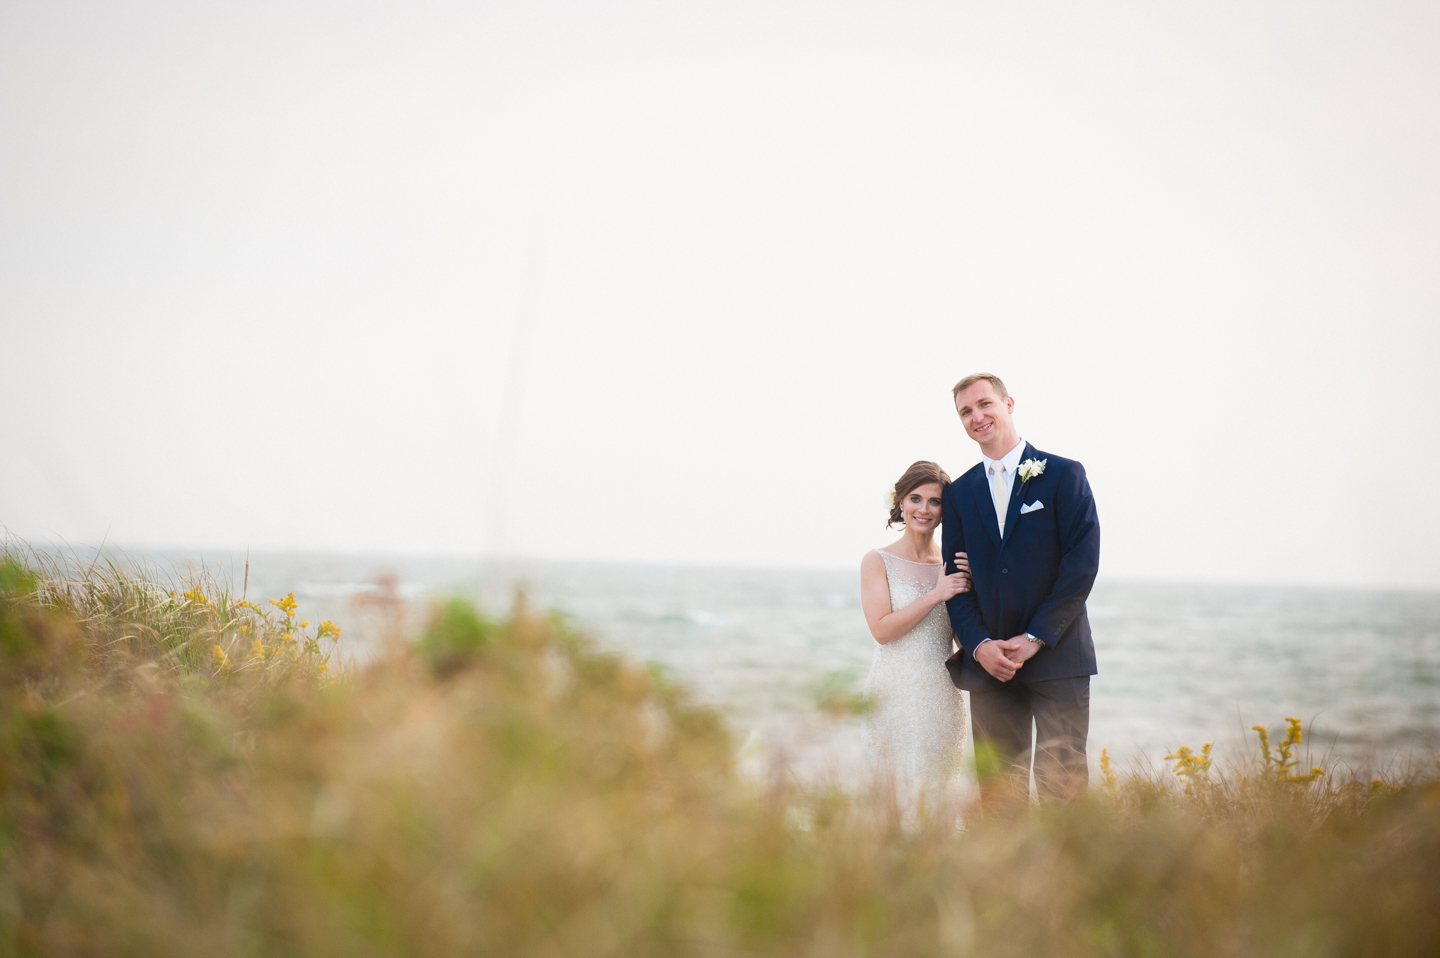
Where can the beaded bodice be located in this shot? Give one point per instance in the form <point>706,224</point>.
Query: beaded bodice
<point>908,582</point>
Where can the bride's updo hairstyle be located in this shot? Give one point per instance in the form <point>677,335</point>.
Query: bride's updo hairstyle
<point>919,474</point>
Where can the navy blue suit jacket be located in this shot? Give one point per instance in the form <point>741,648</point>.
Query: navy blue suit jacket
<point>1033,576</point>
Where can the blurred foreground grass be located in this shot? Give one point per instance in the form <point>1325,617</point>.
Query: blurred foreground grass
<point>182,774</point>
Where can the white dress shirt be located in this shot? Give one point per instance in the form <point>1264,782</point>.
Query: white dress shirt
<point>1009,463</point>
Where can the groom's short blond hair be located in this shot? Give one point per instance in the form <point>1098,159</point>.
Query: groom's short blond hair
<point>974,378</point>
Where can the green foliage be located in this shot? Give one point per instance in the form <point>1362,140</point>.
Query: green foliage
<point>456,635</point>
<point>836,696</point>
<point>990,765</point>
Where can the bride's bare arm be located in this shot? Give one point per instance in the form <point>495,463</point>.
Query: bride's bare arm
<point>887,625</point>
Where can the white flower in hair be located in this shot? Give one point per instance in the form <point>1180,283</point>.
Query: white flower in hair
<point>1031,468</point>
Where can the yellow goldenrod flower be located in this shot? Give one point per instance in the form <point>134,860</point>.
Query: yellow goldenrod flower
<point>1193,768</point>
<point>1108,778</point>
<point>257,650</point>
<point>1292,735</point>
<point>286,605</point>
<point>328,628</point>
<point>1277,765</point>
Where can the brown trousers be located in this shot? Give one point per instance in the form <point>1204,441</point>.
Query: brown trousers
<point>1060,710</point>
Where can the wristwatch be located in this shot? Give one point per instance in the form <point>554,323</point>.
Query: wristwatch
<point>1033,639</point>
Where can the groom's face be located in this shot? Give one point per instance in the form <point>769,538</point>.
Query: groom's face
<point>987,417</point>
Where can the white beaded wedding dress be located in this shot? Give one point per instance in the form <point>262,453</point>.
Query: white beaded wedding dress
<point>912,741</point>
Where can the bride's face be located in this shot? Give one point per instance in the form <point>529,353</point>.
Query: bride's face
<point>921,507</point>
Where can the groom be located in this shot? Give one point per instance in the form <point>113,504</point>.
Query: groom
<point>1027,520</point>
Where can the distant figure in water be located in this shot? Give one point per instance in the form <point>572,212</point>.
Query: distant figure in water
<point>912,743</point>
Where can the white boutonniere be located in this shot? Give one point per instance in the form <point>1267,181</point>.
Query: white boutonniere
<point>1031,468</point>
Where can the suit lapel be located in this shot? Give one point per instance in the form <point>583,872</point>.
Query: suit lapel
<point>980,491</point>
<point>1017,495</point>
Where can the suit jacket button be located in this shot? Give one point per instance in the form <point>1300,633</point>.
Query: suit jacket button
<point>1004,571</point>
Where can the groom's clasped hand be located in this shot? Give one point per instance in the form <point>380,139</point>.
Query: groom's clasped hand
<point>1000,659</point>
<point>1004,659</point>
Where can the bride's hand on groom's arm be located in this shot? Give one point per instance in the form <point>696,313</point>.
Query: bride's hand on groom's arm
<point>950,586</point>
<point>956,582</point>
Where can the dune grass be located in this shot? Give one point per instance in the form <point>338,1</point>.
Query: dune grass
<point>497,786</point>
<point>130,615</point>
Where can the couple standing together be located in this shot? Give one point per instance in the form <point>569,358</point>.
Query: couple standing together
<point>1007,586</point>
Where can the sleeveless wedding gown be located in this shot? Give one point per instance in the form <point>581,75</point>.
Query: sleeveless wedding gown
<point>912,741</point>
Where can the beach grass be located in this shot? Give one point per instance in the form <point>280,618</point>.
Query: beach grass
<point>177,777</point>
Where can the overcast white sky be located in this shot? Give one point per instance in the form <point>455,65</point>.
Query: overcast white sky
<point>690,281</point>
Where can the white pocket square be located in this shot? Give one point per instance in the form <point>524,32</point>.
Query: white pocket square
<point>1035,506</point>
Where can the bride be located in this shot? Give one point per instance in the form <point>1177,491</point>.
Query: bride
<point>912,742</point>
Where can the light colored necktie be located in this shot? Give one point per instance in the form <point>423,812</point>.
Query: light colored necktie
<point>1000,492</point>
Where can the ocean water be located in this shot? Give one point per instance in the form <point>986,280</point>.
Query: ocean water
<point>1179,664</point>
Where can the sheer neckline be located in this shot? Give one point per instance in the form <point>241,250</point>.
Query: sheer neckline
<point>903,559</point>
